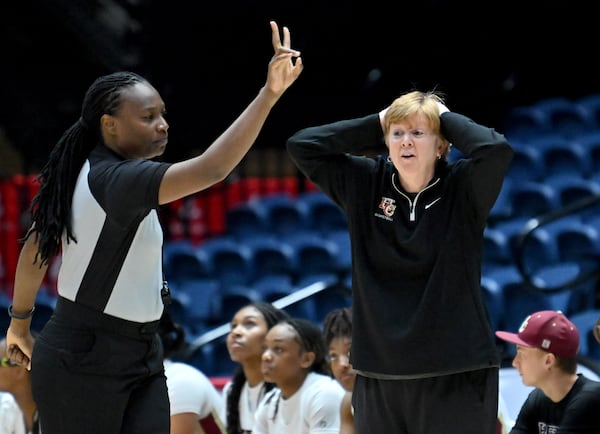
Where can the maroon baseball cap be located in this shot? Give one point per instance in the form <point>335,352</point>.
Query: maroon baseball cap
<point>548,330</point>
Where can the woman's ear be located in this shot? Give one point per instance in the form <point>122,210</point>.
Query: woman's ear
<point>307,360</point>
<point>108,124</point>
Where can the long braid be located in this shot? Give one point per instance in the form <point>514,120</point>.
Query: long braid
<point>272,316</point>
<point>233,400</point>
<point>51,207</point>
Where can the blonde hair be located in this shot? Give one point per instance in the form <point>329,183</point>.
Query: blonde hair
<point>415,102</point>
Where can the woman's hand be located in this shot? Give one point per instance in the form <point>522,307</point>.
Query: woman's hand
<point>19,345</point>
<point>285,65</point>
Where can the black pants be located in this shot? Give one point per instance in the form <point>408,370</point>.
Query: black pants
<point>96,374</point>
<point>465,403</point>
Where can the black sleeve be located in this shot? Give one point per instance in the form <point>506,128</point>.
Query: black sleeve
<point>315,146</point>
<point>488,153</point>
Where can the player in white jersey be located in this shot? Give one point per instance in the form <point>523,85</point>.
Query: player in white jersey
<point>196,405</point>
<point>307,399</point>
<point>245,343</point>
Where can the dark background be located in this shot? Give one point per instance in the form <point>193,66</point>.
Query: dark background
<point>208,60</point>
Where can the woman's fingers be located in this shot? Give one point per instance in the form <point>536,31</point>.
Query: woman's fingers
<point>275,36</point>
<point>286,37</point>
<point>276,39</point>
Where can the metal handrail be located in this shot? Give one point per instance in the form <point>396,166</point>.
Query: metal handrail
<point>543,220</point>
<point>280,303</point>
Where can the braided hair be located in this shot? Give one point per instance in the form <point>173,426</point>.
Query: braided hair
<point>51,206</point>
<point>272,316</point>
<point>310,339</point>
<point>337,324</point>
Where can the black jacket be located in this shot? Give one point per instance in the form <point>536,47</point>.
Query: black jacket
<point>418,308</point>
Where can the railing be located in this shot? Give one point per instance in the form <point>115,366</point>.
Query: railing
<point>281,303</point>
<point>543,220</point>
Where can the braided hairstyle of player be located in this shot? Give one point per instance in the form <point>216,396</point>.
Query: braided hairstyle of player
<point>272,316</point>
<point>310,339</point>
<point>51,207</point>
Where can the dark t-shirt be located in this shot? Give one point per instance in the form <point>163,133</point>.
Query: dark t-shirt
<point>578,412</point>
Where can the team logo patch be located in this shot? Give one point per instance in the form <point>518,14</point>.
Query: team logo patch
<point>388,206</point>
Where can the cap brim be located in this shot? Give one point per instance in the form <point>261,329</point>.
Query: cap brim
<point>512,338</point>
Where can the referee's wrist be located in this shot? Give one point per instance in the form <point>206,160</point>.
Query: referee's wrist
<point>20,315</point>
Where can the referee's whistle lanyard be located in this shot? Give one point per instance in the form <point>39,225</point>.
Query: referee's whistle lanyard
<point>165,293</point>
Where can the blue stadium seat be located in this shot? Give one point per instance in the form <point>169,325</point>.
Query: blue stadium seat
<point>531,199</point>
<point>341,238</point>
<point>230,260</point>
<point>233,298</point>
<point>571,188</point>
<point>284,213</point>
<point>270,256</point>
<point>246,219</point>
<point>591,104</point>
<point>566,117</point>
<point>324,214</point>
<point>523,122</point>
<point>183,261</point>
<point>271,287</point>
<point>590,142</point>
<point>494,301</point>
<point>539,250</point>
<point>562,156</point>
<point>496,249</point>
<point>332,296</point>
<point>519,300</point>
<point>527,164</point>
<point>502,209</point>
<point>313,254</point>
<point>201,299</point>
<point>336,295</point>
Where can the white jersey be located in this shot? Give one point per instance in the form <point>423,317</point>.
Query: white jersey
<point>313,409</point>
<point>190,391</point>
<point>11,417</point>
<point>250,398</point>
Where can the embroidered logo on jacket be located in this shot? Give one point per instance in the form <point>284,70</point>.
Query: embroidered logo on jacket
<point>388,206</point>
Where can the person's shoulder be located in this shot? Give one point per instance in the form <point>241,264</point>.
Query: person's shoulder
<point>324,384</point>
<point>7,400</point>
<point>185,371</point>
<point>590,386</point>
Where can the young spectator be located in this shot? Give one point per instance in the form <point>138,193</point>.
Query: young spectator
<point>337,332</point>
<point>306,400</point>
<point>562,401</point>
<point>245,343</point>
<point>16,381</point>
<point>195,404</point>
